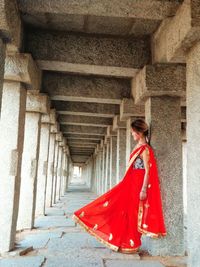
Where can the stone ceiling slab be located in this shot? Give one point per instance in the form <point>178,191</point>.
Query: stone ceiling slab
<point>98,90</point>
<point>115,51</point>
<point>86,109</point>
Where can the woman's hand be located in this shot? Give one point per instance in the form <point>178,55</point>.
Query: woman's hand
<point>143,194</point>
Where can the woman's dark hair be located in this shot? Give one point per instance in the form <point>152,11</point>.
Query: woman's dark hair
<point>139,125</point>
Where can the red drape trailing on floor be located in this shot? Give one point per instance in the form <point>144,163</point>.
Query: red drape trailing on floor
<point>118,218</point>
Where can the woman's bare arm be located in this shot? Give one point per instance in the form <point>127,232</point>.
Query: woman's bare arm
<point>145,156</point>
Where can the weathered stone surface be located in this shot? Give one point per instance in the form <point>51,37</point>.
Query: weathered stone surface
<point>38,240</point>
<point>11,143</point>
<point>87,69</point>
<point>117,123</point>
<point>31,261</point>
<point>22,68</point>
<point>50,173</point>
<point>147,10</point>
<point>73,88</point>
<point>193,168</point>
<point>53,221</point>
<point>36,102</point>
<point>87,49</point>
<point>129,108</point>
<point>178,34</point>
<point>42,169</point>
<point>55,128</point>
<point>83,130</point>
<point>164,115</point>
<point>81,108</point>
<point>28,185</point>
<point>121,153</point>
<point>159,79</point>
<point>131,263</point>
<point>84,120</point>
<point>2,63</point>
<point>10,24</point>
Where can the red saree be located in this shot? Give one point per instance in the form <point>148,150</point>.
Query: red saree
<point>118,218</point>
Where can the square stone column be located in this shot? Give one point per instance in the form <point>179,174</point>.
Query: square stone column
<point>161,87</point>
<point>64,172</point>
<point>113,160</point>
<point>2,63</point>
<point>107,176</point>
<point>50,171</point>
<point>42,169</point>
<point>120,128</point>
<point>103,169</point>
<point>46,121</point>
<point>11,146</point>
<point>193,150</point>
<point>55,171</point>
<point>129,111</point>
<point>59,172</point>
<point>130,143</point>
<point>36,104</point>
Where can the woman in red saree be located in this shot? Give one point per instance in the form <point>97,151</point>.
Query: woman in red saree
<point>132,207</point>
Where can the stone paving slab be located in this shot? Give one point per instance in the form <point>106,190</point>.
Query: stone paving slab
<point>29,261</point>
<point>53,221</point>
<point>38,240</point>
<point>132,263</point>
<point>54,212</point>
<point>63,262</point>
<point>73,240</point>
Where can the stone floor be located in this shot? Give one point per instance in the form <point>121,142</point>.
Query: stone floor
<point>57,241</point>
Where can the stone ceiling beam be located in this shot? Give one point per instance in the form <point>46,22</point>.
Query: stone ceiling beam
<point>87,69</point>
<point>84,120</point>
<point>158,80</point>
<point>178,34</point>
<point>83,130</point>
<point>78,145</point>
<point>22,68</point>
<point>83,137</point>
<point>98,50</point>
<point>117,123</point>
<point>129,109</point>
<point>82,141</point>
<point>123,9</point>
<point>86,109</point>
<point>97,90</point>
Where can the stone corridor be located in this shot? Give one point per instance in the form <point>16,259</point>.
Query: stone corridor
<point>57,241</point>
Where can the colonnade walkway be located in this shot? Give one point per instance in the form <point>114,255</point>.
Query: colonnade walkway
<point>57,241</point>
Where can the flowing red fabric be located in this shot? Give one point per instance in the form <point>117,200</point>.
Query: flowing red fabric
<point>118,218</point>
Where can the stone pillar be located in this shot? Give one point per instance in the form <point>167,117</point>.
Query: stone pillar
<point>35,105</point>
<point>2,63</point>
<point>163,113</point>
<point>50,171</point>
<point>120,127</point>
<point>64,172</point>
<point>130,143</point>
<point>103,168</point>
<point>128,112</point>
<point>59,172</point>
<point>18,69</point>
<point>55,171</point>
<point>113,160</point>
<point>11,146</point>
<point>46,121</point>
<point>193,149</point>
<point>107,176</point>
